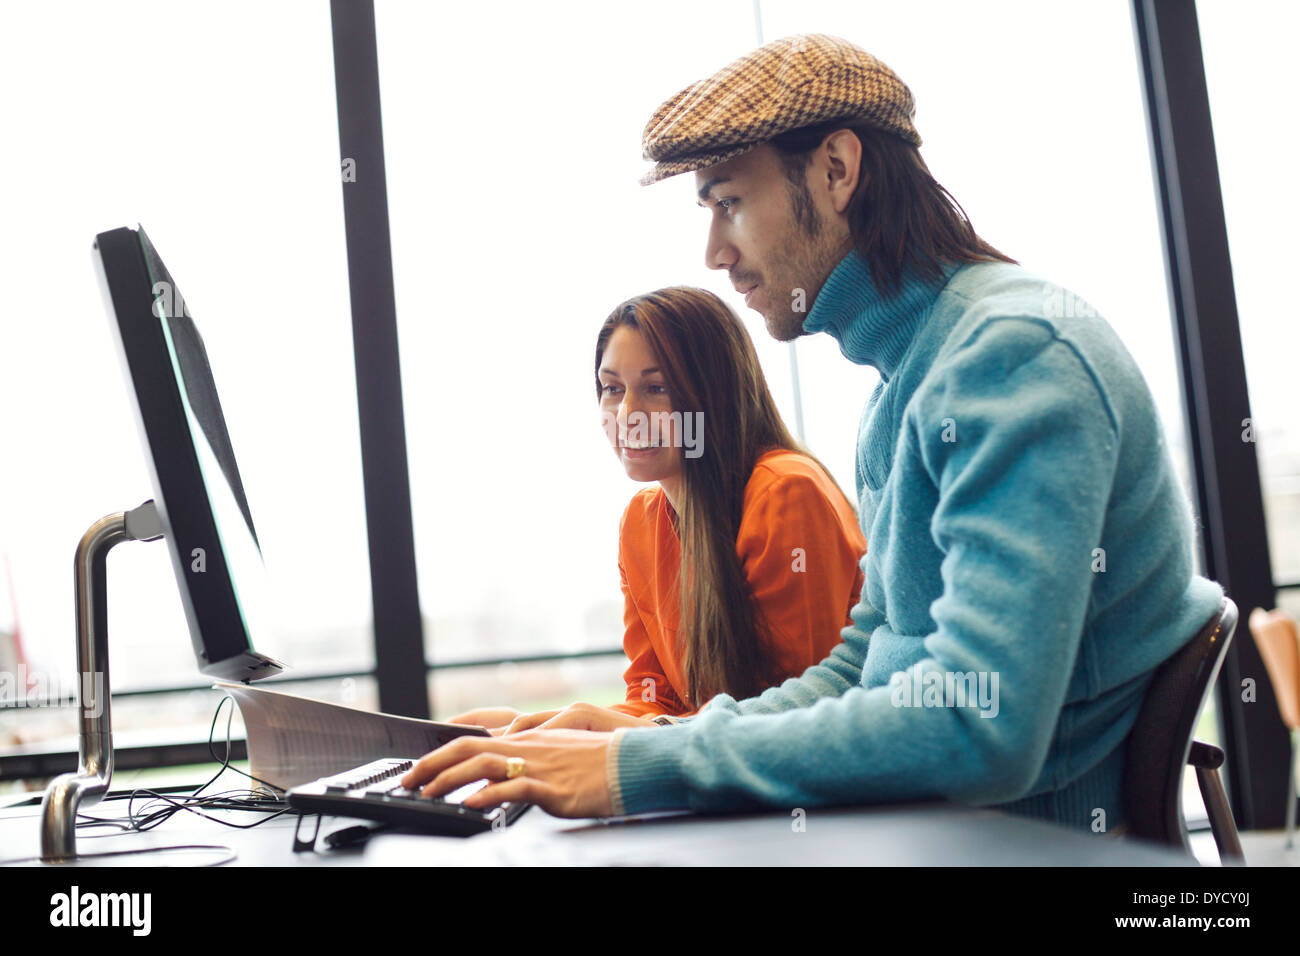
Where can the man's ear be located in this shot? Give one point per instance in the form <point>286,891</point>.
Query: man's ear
<point>843,156</point>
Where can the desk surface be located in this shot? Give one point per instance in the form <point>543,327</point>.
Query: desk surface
<point>933,834</point>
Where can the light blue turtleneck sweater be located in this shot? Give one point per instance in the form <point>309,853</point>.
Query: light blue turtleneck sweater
<point>1029,565</point>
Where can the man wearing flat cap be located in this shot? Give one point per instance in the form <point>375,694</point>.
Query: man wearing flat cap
<point>1030,549</point>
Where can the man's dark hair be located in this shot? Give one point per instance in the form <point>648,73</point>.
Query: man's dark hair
<point>899,217</point>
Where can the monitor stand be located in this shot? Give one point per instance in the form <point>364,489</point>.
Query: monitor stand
<point>70,791</point>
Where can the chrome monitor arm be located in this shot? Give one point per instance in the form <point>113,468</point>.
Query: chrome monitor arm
<point>68,792</point>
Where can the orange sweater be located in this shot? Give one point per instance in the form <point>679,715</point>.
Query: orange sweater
<point>799,546</point>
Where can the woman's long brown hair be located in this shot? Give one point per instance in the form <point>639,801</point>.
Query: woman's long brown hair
<point>710,366</point>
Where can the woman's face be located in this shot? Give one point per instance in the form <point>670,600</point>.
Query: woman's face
<point>636,409</point>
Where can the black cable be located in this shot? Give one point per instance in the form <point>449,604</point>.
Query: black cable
<point>225,763</point>
<point>269,801</point>
<point>160,807</point>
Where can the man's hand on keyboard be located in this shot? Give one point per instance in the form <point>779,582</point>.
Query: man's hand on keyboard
<point>564,771</point>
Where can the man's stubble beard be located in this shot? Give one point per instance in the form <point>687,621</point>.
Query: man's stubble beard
<point>785,320</point>
<point>812,256</point>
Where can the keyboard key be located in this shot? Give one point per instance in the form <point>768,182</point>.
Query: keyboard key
<point>401,793</point>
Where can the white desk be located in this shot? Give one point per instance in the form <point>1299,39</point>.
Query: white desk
<point>914,834</point>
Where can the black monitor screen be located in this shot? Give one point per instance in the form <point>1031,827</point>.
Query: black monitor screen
<point>198,491</point>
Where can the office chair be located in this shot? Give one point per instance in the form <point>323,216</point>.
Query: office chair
<point>1161,745</point>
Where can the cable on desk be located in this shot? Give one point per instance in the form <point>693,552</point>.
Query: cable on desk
<point>266,801</point>
<point>152,814</point>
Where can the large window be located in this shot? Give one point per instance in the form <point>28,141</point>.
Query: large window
<point>1249,83</point>
<point>513,139</point>
<point>215,128</point>
<point>1245,50</point>
<point>518,224</point>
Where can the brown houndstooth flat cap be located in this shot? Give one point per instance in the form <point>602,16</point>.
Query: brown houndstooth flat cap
<point>787,84</point>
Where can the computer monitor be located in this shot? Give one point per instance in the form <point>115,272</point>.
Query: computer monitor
<point>198,492</point>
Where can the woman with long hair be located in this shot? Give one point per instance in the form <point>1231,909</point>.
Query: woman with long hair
<point>740,562</point>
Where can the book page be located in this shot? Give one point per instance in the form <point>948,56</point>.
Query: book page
<point>294,740</point>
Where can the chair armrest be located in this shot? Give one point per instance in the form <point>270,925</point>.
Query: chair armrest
<point>1205,756</point>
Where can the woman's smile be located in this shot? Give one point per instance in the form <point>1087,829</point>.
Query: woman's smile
<point>635,452</point>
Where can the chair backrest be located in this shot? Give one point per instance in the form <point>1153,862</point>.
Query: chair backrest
<point>1162,736</point>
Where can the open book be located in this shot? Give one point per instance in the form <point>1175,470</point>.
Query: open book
<point>294,740</point>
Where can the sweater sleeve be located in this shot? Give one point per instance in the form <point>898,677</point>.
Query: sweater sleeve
<point>1021,497</point>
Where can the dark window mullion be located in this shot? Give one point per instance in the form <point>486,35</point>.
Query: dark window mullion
<point>1212,368</point>
<point>399,630</point>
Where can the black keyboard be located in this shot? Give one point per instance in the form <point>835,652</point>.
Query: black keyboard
<point>374,792</point>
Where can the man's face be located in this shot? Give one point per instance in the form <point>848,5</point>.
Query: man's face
<point>778,242</point>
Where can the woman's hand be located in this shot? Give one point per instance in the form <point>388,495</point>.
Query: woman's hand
<point>488,717</point>
<point>524,722</point>
<point>563,772</point>
<point>577,716</point>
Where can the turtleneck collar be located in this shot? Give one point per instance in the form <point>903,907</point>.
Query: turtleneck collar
<point>872,328</point>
